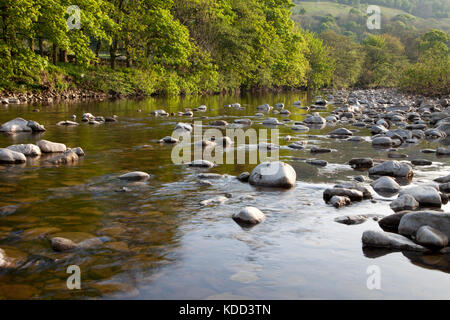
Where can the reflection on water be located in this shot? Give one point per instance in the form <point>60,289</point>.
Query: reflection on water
<point>158,242</point>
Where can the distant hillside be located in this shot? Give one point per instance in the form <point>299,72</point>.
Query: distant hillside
<point>308,13</point>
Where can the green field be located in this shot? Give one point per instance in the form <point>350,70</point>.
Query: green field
<point>322,8</point>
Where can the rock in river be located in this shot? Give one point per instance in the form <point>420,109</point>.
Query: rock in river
<point>244,176</point>
<point>411,222</point>
<point>351,220</point>
<point>430,237</point>
<point>360,163</point>
<point>353,195</point>
<point>393,241</point>
<point>337,201</point>
<point>273,174</point>
<point>135,176</point>
<point>68,157</point>
<point>385,186</point>
<point>51,147</point>
<point>16,125</point>
<point>404,202</point>
<point>391,222</point>
<point>10,157</point>
<point>36,127</point>
<point>62,244</point>
<point>426,196</point>
<point>392,168</point>
<point>29,150</point>
<point>249,215</point>
<point>201,164</point>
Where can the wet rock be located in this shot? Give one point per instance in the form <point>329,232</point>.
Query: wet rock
<point>218,123</point>
<point>90,243</point>
<point>29,150</point>
<point>443,152</point>
<point>356,186</point>
<point>378,129</point>
<point>246,122</point>
<point>183,127</point>
<point>224,142</point>
<point>210,176</point>
<point>315,119</point>
<point>6,262</point>
<point>79,151</point>
<point>443,179</point>
<point>426,196</point>
<point>300,128</point>
<point>35,127</point>
<point>445,187</point>
<point>341,132</point>
<point>168,140</point>
<point>271,122</point>
<point>264,107</point>
<point>201,164</point>
<point>338,202</point>
<point>352,194</point>
<point>214,201</point>
<point>68,157</point>
<point>396,155</point>
<point>8,156</point>
<point>430,237</point>
<point>202,108</point>
<point>351,220</point>
<point>361,163</point>
<point>382,141</point>
<point>411,222</point>
<point>67,123</point>
<point>428,151</point>
<point>135,176</point>
<point>315,149</point>
<point>392,241</point>
<point>316,162</point>
<point>244,176</point>
<point>404,202</point>
<point>160,113</point>
<point>298,145</point>
<point>16,125</point>
<point>385,185</point>
<point>392,168</point>
<point>62,244</point>
<point>421,162</point>
<point>273,174</point>
<point>51,147</point>
<point>249,215</point>
<point>391,222</point>
<point>360,178</point>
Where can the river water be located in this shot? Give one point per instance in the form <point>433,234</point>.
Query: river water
<point>160,243</point>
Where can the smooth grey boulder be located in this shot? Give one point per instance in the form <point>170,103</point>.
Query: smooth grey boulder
<point>67,123</point>
<point>352,194</point>
<point>67,157</point>
<point>411,222</point>
<point>273,174</point>
<point>299,127</point>
<point>356,186</point>
<point>35,127</point>
<point>62,244</point>
<point>51,147</point>
<point>315,119</point>
<point>317,162</point>
<point>298,145</point>
<point>80,152</point>
<point>11,157</point>
<point>385,185</point>
<point>338,201</point>
<point>341,132</point>
<point>135,176</point>
<point>445,187</point>
<point>379,239</point>
<point>430,237</point>
<point>351,220</point>
<point>382,141</point>
<point>29,150</point>
<point>443,151</point>
<point>246,122</point>
<point>443,179</point>
<point>16,125</point>
<point>404,202</point>
<point>244,176</point>
<point>218,123</point>
<point>169,140</point>
<point>209,176</point>
<point>201,164</point>
<point>183,127</point>
<point>392,168</point>
<point>271,122</point>
<point>160,113</point>
<point>249,215</point>
<point>426,196</point>
<point>391,222</point>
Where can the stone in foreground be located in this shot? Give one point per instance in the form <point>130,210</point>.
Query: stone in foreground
<point>51,147</point>
<point>249,215</point>
<point>426,196</point>
<point>11,157</point>
<point>273,174</point>
<point>411,222</point>
<point>378,239</point>
<point>29,150</point>
<point>404,202</point>
<point>430,237</point>
<point>392,168</point>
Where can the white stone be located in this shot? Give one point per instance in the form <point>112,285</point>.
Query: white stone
<point>273,174</point>
<point>250,215</point>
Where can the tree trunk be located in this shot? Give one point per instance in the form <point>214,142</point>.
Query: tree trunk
<point>113,53</point>
<point>31,44</point>
<point>41,47</point>
<point>97,51</point>
<point>62,55</point>
<point>54,57</point>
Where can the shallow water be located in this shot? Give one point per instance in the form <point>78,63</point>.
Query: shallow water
<point>160,243</point>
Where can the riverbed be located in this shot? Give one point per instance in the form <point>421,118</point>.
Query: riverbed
<point>160,243</point>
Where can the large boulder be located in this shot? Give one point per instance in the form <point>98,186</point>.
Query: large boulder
<point>36,127</point>
<point>16,125</point>
<point>379,239</point>
<point>430,237</point>
<point>391,222</point>
<point>426,196</point>
<point>273,174</point>
<point>404,202</point>
<point>29,150</point>
<point>51,147</point>
<point>10,157</point>
<point>411,222</point>
<point>392,168</point>
<point>385,186</point>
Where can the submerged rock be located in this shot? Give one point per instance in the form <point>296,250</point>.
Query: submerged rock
<point>392,241</point>
<point>351,220</point>
<point>249,215</point>
<point>404,202</point>
<point>135,176</point>
<point>338,201</point>
<point>35,127</point>
<point>273,174</point>
<point>214,201</point>
<point>353,195</point>
<point>62,244</point>
<point>68,157</point>
<point>360,163</point>
<point>79,151</point>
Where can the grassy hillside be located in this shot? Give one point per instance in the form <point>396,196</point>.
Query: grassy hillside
<point>319,9</point>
